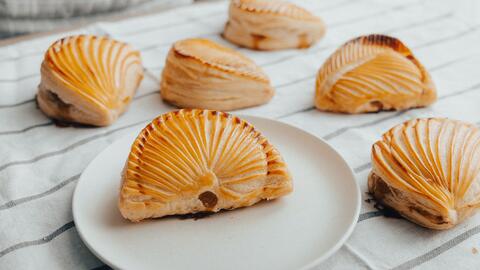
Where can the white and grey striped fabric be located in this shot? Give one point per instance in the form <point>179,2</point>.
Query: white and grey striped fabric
<point>40,162</point>
<point>28,16</point>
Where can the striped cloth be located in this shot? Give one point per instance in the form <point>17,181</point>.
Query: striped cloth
<point>28,16</point>
<point>40,162</point>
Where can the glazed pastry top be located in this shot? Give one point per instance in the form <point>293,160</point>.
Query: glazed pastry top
<point>436,158</point>
<point>98,69</point>
<point>372,73</point>
<point>200,160</point>
<point>273,7</point>
<point>221,57</point>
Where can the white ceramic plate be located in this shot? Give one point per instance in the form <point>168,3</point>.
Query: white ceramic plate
<point>294,232</point>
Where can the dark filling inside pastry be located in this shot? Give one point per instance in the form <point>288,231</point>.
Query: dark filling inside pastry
<point>208,198</point>
<point>59,103</point>
<point>64,110</point>
<point>303,42</point>
<point>377,105</point>
<point>257,38</point>
<point>385,194</point>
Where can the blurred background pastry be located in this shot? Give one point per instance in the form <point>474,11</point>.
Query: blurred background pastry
<point>373,73</point>
<point>272,25</point>
<point>200,73</point>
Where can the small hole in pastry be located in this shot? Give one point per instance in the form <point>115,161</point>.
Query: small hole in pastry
<point>126,100</point>
<point>208,198</point>
<point>257,38</point>
<point>377,104</point>
<point>303,41</point>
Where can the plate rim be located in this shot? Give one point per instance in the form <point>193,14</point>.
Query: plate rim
<point>334,248</point>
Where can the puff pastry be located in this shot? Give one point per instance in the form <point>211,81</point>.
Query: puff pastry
<point>271,25</point>
<point>373,73</point>
<point>200,73</point>
<point>88,79</point>
<point>428,171</point>
<point>191,161</point>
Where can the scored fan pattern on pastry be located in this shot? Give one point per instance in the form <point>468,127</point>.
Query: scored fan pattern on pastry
<point>271,25</point>
<point>221,57</point>
<point>96,75</point>
<point>428,170</point>
<point>190,161</point>
<point>373,73</point>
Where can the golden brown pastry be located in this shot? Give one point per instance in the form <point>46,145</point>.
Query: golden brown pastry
<point>88,79</point>
<point>191,161</point>
<point>428,171</point>
<point>200,73</point>
<point>271,25</point>
<point>373,73</point>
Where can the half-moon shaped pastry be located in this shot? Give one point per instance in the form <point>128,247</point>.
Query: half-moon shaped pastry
<point>428,171</point>
<point>191,161</point>
<point>200,73</point>
<point>88,79</point>
<point>272,25</point>
<point>373,73</point>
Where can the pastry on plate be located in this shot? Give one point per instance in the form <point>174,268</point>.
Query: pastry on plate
<point>428,171</point>
<point>200,73</point>
<point>192,161</point>
<point>370,74</point>
<point>88,79</point>
<point>271,25</point>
